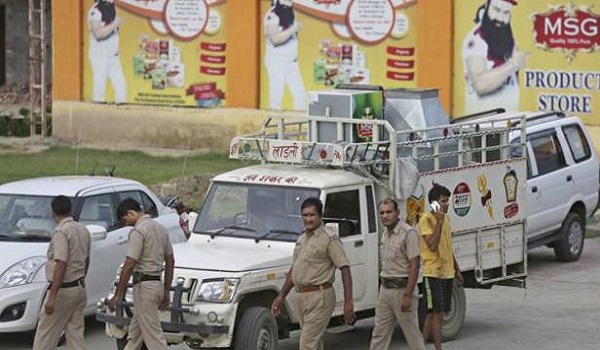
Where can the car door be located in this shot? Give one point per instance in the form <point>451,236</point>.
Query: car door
<point>550,185</point>
<point>584,165</point>
<point>344,207</point>
<point>107,251</point>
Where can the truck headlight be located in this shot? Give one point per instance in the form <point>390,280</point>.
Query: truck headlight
<point>22,272</point>
<point>218,290</point>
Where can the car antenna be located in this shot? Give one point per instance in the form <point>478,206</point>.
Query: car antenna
<point>185,160</point>
<point>94,169</point>
<point>110,172</point>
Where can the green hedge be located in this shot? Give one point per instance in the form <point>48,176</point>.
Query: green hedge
<point>20,126</point>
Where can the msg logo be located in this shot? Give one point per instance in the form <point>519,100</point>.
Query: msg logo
<point>567,27</point>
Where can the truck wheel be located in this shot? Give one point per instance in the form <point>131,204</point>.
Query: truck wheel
<point>257,330</point>
<point>62,340</point>
<point>122,342</point>
<point>572,234</point>
<point>454,319</point>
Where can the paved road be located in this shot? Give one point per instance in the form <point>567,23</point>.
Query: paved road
<point>559,310</point>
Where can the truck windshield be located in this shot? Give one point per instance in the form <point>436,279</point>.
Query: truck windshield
<point>25,218</point>
<point>253,211</point>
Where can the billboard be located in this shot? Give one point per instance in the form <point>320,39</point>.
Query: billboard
<point>309,45</point>
<point>527,55</point>
<point>156,52</point>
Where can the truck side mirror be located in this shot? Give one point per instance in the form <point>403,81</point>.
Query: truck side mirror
<point>192,218</point>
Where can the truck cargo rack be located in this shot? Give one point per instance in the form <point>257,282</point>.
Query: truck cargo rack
<point>294,139</point>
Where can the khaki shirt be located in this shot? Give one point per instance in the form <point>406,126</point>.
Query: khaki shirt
<point>316,256</point>
<point>397,248</point>
<point>71,243</point>
<point>149,245</point>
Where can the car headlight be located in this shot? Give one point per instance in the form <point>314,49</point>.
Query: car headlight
<point>218,290</point>
<point>22,272</point>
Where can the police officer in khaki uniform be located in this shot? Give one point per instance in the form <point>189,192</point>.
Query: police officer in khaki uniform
<point>149,249</point>
<point>317,254</point>
<point>68,262</point>
<point>398,300</point>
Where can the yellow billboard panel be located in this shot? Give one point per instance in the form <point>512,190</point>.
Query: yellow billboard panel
<point>309,45</point>
<point>158,52</point>
<point>527,55</point>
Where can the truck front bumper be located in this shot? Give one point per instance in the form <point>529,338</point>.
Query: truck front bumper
<point>205,326</point>
<point>170,327</point>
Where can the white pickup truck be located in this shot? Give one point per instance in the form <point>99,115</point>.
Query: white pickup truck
<point>236,260</point>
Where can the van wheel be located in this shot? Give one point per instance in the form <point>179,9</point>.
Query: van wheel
<point>572,234</point>
<point>257,330</point>
<point>454,319</point>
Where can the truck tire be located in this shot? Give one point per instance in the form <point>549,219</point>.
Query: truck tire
<point>572,234</point>
<point>454,319</point>
<point>122,342</point>
<point>257,330</point>
<point>62,340</point>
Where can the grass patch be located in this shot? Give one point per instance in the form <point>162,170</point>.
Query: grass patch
<point>147,169</point>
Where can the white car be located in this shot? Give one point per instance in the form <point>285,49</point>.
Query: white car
<point>26,224</point>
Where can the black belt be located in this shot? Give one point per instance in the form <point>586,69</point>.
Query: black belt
<point>77,282</point>
<point>394,282</point>
<point>140,277</point>
<point>312,288</point>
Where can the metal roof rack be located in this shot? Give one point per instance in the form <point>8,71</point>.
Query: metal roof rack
<point>535,117</point>
<point>486,113</point>
<point>294,140</point>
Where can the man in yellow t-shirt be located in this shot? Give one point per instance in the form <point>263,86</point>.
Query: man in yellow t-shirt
<point>438,261</point>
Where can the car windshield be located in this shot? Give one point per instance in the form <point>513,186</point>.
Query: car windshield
<point>253,211</point>
<point>25,218</point>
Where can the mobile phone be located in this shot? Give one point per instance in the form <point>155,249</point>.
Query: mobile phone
<point>435,206</point>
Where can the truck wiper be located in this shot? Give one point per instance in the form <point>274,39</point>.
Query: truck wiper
<point>275,230</point>
<point>232,227</point>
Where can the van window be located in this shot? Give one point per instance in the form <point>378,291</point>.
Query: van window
<point>516,151</point>
<point>580,149</point>
<point>343,208</point>
<point>547,151</point>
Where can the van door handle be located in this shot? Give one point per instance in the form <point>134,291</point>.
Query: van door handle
<point>358,243</point>
<point>534,189</point>
<point>569,177</point>
<point>122,240</point>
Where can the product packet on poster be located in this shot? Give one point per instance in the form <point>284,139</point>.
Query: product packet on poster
<point>176,75</point>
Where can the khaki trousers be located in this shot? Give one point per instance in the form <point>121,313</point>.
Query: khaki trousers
<point>388,312</point>
<point>314,310</point>
<point>67,316</point>
<point>145,325</point>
